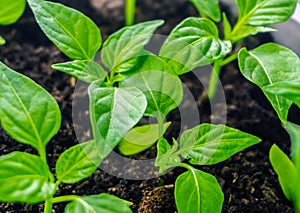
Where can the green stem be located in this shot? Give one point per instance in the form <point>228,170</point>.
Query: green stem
<point>65,198</point>
<point>229,59</point>
<point>186,166</point>
<point>48,206</point>
<point>214,78</point>
<point>129,12</point>
<point>215,74</point>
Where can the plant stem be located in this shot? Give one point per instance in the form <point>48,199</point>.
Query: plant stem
<point>48,206</point>
<point>129,12</point>
<point>186,166</point>
<point>64,198</point>
<point>215,74</point>
<point>213,81</point>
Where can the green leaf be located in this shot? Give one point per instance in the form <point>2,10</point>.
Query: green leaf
<point>227,27</point>
<point>78,162</point>
<point>294,132</point>
<point>84,70</point>
<point>127,43</point>
<point>285,170</point>
<point>265,12</point>
<point>98,203</point>
<point>11,11</point>
<point>24,178</point>
<point>209,8</point>
<point>166,155</point>
<point>73,33</point>
<point>141,138</point>
<point>194,42</point>
<point>268,64</point>
<point>208,144</point>
<point>287,89</point>
<point>154,78</point>
<point>197,191</point>
<point>2,41</point>
<point>114,111</point>
<point>27,112</point>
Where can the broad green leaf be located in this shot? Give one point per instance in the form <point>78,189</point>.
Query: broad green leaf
<point>166,155</point>
<point>194,42</point>
<point>265,12</point>
<point>27,111</point>
<point>24,178</point>
<point>11,11</point>
<point>154,78</point>
<point>84,70</point>
<point>285,170</point>
<point>127,43</point>
<point>72,32</point>
<point>114,111</point>
<point>98,203</point>
<point>208,144</point>
<point>294,132</point>
<point>268,64</point>
<point>287,89</point>
<point>141,138</point>
<point>197,191</point>
<point>77,162</point>
<point>2,41</point>
<point>209,8</point>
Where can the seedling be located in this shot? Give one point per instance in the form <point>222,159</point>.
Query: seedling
<point>206,144</point>
<point>276,70</point>
<point>31,116</point>
<point>10,12</point>
<point>209,47</point>
<point>288,170</point>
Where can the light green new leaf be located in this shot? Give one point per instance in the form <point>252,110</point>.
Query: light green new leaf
<point>265,12</point>
<point>78,162</point>
<point>127,43</point>
<point>269,64</point>
<point>197,191</point>
<point>154,78</point>
<point>209,8</point>
<point>24,178</point>
<point>248,30</point>
<point>11,11</point>
<point>72,32</point>
<point>287,89</point>
<point>114,111</point>
<point>166,155</point>
<point>2,41</point>
<point>98,203</point>
<point>194,42</point>
<point>141,138</point>
<point>208,144</point>
<point>27,111</point>
<point>285,170</point>
<point>84,70</point>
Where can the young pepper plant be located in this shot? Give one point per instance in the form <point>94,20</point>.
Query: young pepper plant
<point>276,70</point>
<point>206,144</point>
<point>30,115</point>
<point>209,47</point>
<point>137,83</point>
<point>10,12</point>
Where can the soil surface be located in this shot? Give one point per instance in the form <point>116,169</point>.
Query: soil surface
<point>247,179</point>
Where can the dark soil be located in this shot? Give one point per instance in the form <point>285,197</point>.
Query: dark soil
<point>247,179</point>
